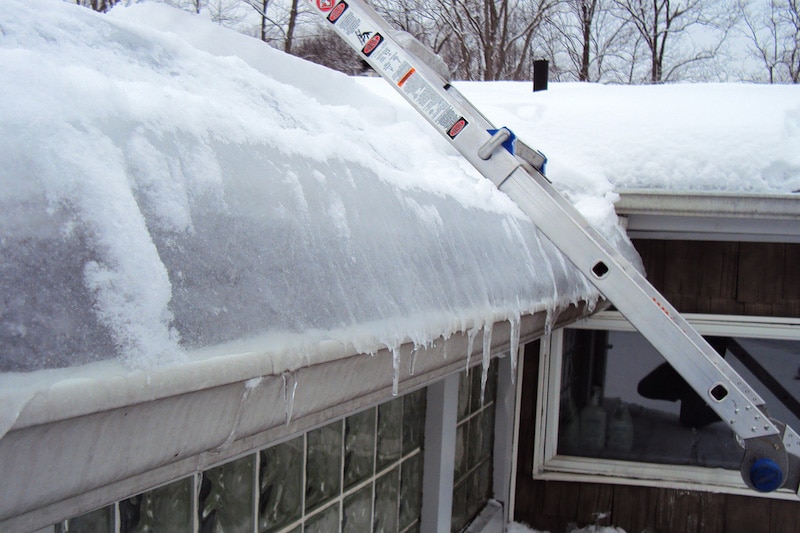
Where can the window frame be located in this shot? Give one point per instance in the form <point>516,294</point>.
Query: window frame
<point>549,465</point>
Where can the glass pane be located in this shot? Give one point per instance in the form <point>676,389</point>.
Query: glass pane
<point>281,485</point>
<point>99,521</point>
<point>323,464</point>
<point>386,502</point>
<point>357,515</point>
<point>480,484</point>
<point>461,465</point>
<point>165,509</point>
<point>325,522</point>
<point>621,400</point>
<point>475,388</point>
<point>390,428</point>
<point>226,498</point>
<point>464,380</point>
<point>460,514</point>
<point>359,447</point>
<point>491,383</point>
<point>413,420</point>
<point>481,433</point>
<point>413,529</point>
<point>410,490</point>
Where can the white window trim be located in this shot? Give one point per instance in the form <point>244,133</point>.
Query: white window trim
<point>548,465</point>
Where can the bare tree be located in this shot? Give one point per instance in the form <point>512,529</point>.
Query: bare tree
<point>224,13</point>
<point>591,38</point>
<point>662,23</point>
<point>419,18</point>
<point>791,52</point>
<point>491,39</point>
<point>277,21</point>
<point>97,5</point>
<point>773,31</point>
<point>329,50</point>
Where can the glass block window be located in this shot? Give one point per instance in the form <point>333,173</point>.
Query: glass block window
<point>474,444</point>
<point>226,502</point>
<point>168,508</point>
<point>357,474</point>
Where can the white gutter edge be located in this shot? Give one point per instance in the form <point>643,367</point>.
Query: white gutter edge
<point>709,204</point>
<point>59,394</point>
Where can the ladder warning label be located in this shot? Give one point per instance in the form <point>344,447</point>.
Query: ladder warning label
<point>337,11</point>
<point>325,5</point>
<point>372,44</point>
<point>405,77</point>
<point>456,128</point>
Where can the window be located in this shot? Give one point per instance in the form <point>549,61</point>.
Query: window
<point>622,412</point>
<point>360,473</point>
<point>474,444</point>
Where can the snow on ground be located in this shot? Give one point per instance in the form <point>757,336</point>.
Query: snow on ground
<point>170,186</point>
<point>516,527</point>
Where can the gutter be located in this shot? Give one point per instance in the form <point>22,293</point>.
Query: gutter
<point>724,216</point>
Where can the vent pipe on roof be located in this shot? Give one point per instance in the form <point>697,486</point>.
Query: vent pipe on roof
<point>540,67</point>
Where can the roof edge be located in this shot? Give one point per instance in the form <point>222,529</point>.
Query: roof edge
<point>708,204</point>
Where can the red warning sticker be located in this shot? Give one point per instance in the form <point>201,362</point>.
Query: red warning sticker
<point>325,5</point>
<point>405,77</point>
<point>457,128</point>
<point>372,44</point>
<point>337,11</point>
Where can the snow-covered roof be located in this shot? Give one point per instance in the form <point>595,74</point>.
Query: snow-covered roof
<point>159,199</point>
<point>171,187</point>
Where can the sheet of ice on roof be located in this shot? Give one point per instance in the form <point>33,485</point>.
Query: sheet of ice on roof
<point>157,198</point>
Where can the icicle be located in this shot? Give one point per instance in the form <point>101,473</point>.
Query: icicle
<point>551,318</point>
<point>412,361</point>
<point>289,390</point>
<point>395,370</point>
<point>514,349</point>
<point>487,352</point>
<point>249,385</point>
<point>471,334</point>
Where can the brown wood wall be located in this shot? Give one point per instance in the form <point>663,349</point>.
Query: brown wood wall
<point>697,277</point>
<point>732,278</point>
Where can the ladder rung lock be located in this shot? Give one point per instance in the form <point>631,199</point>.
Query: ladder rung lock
<point>718,392</point>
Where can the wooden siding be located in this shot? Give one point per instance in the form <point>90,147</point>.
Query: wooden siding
<point>697,277</point>
<point>731,278</point>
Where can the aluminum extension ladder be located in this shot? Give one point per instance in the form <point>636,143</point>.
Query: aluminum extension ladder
<point>772,449</point>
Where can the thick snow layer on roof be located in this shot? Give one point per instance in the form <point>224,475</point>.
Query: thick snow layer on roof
<point>168,193</point>
<point>693,137</point>
<point>728,137</point>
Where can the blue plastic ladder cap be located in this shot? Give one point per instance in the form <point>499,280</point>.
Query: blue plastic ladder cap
<point>509,144</point>
<point>766,475</point>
